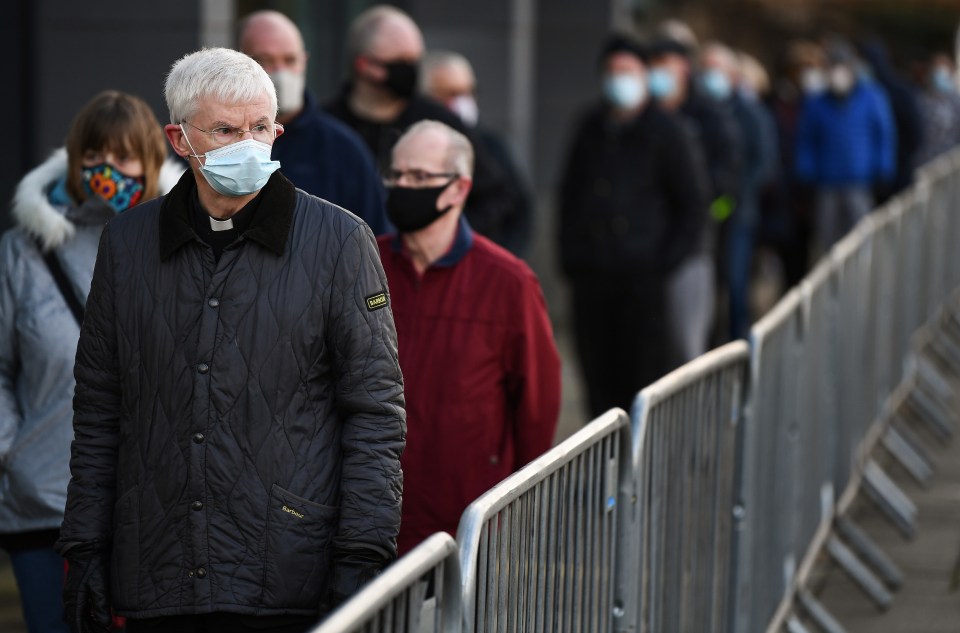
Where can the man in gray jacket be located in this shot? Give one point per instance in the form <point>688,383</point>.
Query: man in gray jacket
<point>239,413</point>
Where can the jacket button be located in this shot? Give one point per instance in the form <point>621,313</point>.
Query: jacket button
<point>201,572</point>
<point>197,505</point>
<point>197,438</point>
<point>190,573</point>
<point>213,302</point>
<point>203,368</point>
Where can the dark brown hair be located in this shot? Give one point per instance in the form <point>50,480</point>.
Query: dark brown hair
<point>120,123</point>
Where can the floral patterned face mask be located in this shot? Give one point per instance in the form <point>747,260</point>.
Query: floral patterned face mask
<point>119,190</point>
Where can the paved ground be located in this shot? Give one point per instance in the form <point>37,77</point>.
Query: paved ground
<point>925,603</point>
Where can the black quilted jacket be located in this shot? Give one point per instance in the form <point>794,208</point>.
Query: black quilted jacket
<point>238,425</point>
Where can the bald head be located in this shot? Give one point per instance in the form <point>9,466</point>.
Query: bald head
<point>386,34</point>
<point>433,146</point>
<point>273,40</point>
<point>447,75</point>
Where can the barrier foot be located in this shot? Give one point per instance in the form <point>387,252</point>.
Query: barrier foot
<point>933,376</point>
<point>869,551</point>
<point>930,412</point>
<point>904,447</point>
<point>894,503</point>
<point>819,613</point>
<point>794,625</point>
<point>859,573</point>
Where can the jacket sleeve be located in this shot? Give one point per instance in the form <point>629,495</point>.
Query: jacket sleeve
<point>805,154</point>
<point>683,173</point>
<point>369,394</point>
<point>10,414</point>
<point>885,138</point>
<point>533,375</point>
<point>570,196</point>
<point>96,414</point>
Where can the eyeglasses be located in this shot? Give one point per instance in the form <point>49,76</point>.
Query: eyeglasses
<point>263,132</point>
<point>416,177</point>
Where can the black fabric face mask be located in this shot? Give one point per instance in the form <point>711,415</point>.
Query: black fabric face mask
<point>401,78</point>
<point>413,209</point>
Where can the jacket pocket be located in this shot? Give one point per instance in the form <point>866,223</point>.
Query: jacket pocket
<point>125,557</point>
<point>298,550</point>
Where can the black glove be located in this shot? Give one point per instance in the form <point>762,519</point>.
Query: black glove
<point>350,573</point>
<point>86,602</point>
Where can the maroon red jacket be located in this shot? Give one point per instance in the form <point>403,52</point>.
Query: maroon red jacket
<point>481,376</point>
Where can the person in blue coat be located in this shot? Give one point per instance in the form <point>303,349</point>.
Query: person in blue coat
<point>319,154</point>
<point>846,145</point>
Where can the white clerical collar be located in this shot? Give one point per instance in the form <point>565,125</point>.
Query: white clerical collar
<point>221,225</point>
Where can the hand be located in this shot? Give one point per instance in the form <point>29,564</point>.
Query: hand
<point>350,573</point>
<point>86,602</point>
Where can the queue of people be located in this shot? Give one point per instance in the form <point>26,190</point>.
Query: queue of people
<point>234,387</point>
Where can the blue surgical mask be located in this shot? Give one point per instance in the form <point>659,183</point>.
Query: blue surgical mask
<point>624,91</point>
<point>942,80</point>
<point>716,84</point>
<point>238,169</point>
<point>662,82</point>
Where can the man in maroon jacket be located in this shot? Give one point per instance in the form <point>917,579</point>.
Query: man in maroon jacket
<point>481,371</point>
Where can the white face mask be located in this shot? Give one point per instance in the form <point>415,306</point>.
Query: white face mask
<point>841,80</point>
<point>290,86</point>
<point>466,108</point>
<point>624,91</point>
<point>813,81</point>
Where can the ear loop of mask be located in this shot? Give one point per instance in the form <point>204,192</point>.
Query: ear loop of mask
<point>190,145</point>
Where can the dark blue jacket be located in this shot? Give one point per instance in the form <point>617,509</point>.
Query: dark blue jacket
<point>847,141</point>
<point>327,159</point>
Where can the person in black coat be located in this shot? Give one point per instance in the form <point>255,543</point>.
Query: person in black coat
<point>380,101</point>
<point>239,413</point>
<point>632,209</point>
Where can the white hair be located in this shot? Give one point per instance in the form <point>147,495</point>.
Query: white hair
<point>434,60</point>
<point>459,158</point>
<point>230,77</point>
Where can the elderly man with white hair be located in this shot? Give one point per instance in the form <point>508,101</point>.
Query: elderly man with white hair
<point>481,371</point>
<point>239,412</point>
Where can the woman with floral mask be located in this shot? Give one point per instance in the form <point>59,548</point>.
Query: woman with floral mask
<point>114,159</point>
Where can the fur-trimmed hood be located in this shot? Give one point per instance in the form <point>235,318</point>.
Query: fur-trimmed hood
<point>33,212</point>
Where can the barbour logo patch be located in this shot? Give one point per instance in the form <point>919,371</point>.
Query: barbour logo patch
<point>377,301</point>
<point>290,510</point>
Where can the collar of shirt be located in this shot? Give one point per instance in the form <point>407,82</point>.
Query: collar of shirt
<point>462,242</point>
<point>269,228</point>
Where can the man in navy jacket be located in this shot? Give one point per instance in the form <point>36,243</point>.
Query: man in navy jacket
<point>319,154</point>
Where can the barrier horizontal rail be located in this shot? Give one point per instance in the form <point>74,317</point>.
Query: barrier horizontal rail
<point>538,550</point>
<point>419,593</point>
<point>675,571</point>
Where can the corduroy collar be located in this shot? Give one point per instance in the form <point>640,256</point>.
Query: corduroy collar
<point>269,226</point>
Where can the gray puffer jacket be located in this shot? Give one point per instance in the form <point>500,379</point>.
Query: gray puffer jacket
<point>239,423</point>
<point>38,342</point>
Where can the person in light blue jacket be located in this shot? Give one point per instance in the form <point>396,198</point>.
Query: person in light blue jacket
<point>846,144</point>
<point>114,158</point>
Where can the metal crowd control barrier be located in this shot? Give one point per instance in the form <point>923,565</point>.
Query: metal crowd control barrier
<point>538,550</point>
<point>676,524</point>
<point>420,593</point>
<point>709,515</point>
<point>828,365</point>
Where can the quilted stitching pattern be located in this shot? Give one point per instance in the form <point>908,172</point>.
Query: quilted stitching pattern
<point>293,384</point>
